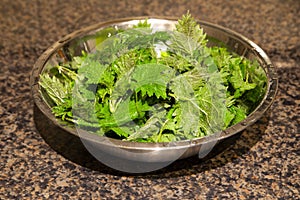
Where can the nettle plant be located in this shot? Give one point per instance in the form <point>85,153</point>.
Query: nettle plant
<point>155,86</point>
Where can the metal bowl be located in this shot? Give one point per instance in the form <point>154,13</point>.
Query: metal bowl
<point>111,151</point>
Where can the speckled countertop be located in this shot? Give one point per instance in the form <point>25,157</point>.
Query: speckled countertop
<point>262,164</point>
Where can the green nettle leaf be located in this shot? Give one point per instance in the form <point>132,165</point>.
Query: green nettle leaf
<point>152,89</point>
<point>102,110</point>
<point>256,75</point>
<point>139,108</point>
<point>145,85</point>
<point>238,79</point>
<point>189,27</point>
<point>151,127</point>
<point>142,24</point>
<point>123,131</point>
<point>183,44</point>
<point>140,79</point>
<point>177,62</point>
<point>91,70</point>
<point>57,89</point>
<point>125,62</point>
<point>229,116</point>
<point>188,104</point>
<point>128,111</point>
<point>239,114</point>
<point>64,110</point>
<point>152,79</point>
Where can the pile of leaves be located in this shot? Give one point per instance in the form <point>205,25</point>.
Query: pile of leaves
<point>155,86</point>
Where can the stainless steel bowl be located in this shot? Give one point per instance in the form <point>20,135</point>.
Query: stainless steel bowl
<point>72,45</point>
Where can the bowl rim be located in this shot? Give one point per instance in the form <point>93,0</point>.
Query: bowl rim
<point>257,113</point>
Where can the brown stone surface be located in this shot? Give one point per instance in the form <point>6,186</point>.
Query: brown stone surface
<point>263,163</point>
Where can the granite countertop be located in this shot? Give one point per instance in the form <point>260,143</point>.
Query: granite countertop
<point>263,163</point>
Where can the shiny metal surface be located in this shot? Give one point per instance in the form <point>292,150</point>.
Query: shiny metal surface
<point>72,45</point>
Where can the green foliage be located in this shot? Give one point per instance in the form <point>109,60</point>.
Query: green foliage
<point>188,26</point>
<point>142,24</point>
<point>131,89</point>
